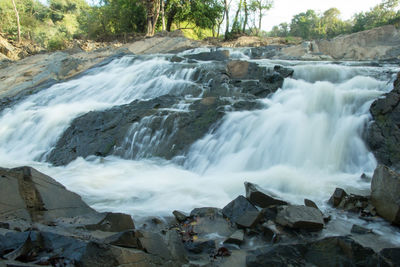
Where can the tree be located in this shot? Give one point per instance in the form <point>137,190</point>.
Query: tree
<point>153,12</point>
<point>259,7</point>
<point>305,25</point>
<point>18,24</point>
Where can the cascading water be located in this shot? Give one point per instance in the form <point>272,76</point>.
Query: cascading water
<point>304,142</point>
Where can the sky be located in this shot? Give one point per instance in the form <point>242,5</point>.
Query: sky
<point>283,10</point>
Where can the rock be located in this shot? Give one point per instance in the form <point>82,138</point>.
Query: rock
<point>154,244</point>
<point>198,247</point>
<point>300,217</point>
<point>331,251</point>
<point>271,232</point>
<point>357,229</point>
<point>383,133</point>
<point>28,194</point>
<point>180,216</point>
<point>206,212</point>
<point>237,209</point>
<point>256,196</point>
<point>310,203</point>
<point>4,225</point>
<point>113,222</point>
<point>218,55</point>
<point>113,131</point>
<point>385,193</point>
<point>391,256</point>
<point>236,238</point>
<point>127,239</point>
<point>337,197</point>
<point>249,219</point>
<point>209,225</point>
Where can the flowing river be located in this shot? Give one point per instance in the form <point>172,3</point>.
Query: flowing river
<point>303,143</point>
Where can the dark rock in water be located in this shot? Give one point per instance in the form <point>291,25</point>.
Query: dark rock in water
<point>28,194</point>
<point>177,59</point>
<point>218,55</point>
<point>180,216</point>
<point>127,239</point>
<point>366,178</point>
<point>310,203</point>
<point>337,197</point>
<point>4,225</point>
<point>331,251</point>
<point>391,256</point>
<point>263,200</point>
<point>113,222</point>
<point>383,135</point>
<point>271,232</point>
<point>285,72</point>
<point>264,52</point>
<point>249,219</point>
<point>153,243</point>
<point>206,212</point>
<point>236,238</point>
<point>385,193</point>
<point>300,217</point>
<point>103,133</point>
<point>237,208</point>
<point>198,247</point>
<point>357,229</point>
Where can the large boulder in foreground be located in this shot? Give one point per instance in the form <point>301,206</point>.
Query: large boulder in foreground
<point>28,194</point>
<point>385,195</point>
<point>383,135</point>
<point>300,217</point>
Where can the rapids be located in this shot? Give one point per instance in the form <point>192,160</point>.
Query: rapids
<point>305,142</point>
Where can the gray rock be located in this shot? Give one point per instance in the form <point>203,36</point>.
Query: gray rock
<point>180,216</point>
<point>383,134</point>
<point>198,247</point>
<point>357,229</point>
<point>310,203</point>
<point>238,208</point>
<point>391,256</point>
<point>218,55</point>
<point>337,197</point>
<point>206,212</point>
<point>385,193</point>
<point>249,219</point>
<point>300,217</point>
<point>127,239</point>
<point>28,194</point>
<point>113,222</point>
<point>236,238</point>
<point>261,199</point>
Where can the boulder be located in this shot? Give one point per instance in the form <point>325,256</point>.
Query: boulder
<point>261,199</point>
<point>218,55</point>
<point>180,216</point>
<point>300,217</point>
<point>28,194</point>
<point>113,131</point>
<point>198,247</point>
<point>330,251</point>
<point>113,222</point>
<point>236,238</point>
<point>337,197</point>
<point>383,133</point>
<point>310,203</point>
<point>385,193</point>
<point>238,208</point>
<point>357,229</point>
<point>127,239</point>
<point>391,256</point>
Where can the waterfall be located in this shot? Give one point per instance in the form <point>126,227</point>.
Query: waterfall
<point>304,141</point>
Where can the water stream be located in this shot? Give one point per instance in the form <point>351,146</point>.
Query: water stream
<point>305,142</point>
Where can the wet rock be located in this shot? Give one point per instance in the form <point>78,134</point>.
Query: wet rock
<point>271,232</point>
<point>263,200</point>
<point>357,229</point>
<point>198,247</point>
<point>331,251</point>
<point>218,55</point>
<point>383,134</point>
<point>249,219</point>
<point>391,256</point>
<point>180,216</point>
<point>28,194</point>
<point>127,239</point>
<point>385,193</point>
<point>177,59</point>
<point>113,222</point>
<point>4,225</point>
<point>238,208</point>
<point>111,131</point>
<point>211,225</point>
<point>337,197</point>
<point>310,203</point>
<point>300,217</point>
<point>236,238</point>
<point>206,212</point>
<point>154,244</point>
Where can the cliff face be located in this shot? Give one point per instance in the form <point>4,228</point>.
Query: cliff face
<point>383,136</point>
<point>381,43</point>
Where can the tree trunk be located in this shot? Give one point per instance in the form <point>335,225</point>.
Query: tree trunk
<point>163,15</point>
<point>260,19</point>
<point>170,18</point>
<point>245,16</point>
<point>236,26</point>
<point>18,24</point>
<point>153,12</point>
<point>227,18</point>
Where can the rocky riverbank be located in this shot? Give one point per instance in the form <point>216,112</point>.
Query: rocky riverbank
<point>42,223</point>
